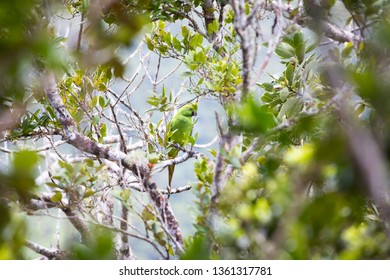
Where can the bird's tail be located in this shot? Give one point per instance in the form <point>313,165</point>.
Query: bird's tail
<point>171,169</point>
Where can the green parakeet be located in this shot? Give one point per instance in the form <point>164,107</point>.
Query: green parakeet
<point>179,133</point>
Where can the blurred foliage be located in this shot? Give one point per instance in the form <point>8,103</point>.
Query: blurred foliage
<point>78,182</point>
<point>102,248</point>
<point>296,194</point>
<point>17,185</point>
<point>300,195</point>
<point>26,41</point>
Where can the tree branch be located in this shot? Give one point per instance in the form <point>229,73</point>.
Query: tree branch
<point>48,253</point>
<point>79,225</point>
<point>329,29</point>
<point>365,149</point>
<point>218,171</point>
<point>85,144</point>
<point>335,33</point>
<point>124,249</point>
<point>187,155</point>
<point>209,17</point>
<point>39,203</point>
<point>371,162</point>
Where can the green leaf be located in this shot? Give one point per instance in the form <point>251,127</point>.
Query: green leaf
<point>213,27</point>
<point>285,51</point>
<point>51,112</point>
<point>150,148</point>
<point>89,162</point>
<point>299,46</point>
<point>196,41</point>
<point>52,185</point>
<point>289,74</point>
<point>79,115</point>
<point>298,39</point>
<point>198,249</point>
<point>213,152</point>
<point>102,102</point>
<point>184,31</point>
<point>347,50</point>
<point>94,101</point>
<point>149,43</point>
<point>25,161</point>
<point>187,74</point>
<point>81,179</point>
<point>200,57</point>
<point>95,120</point>
<point>268,97</point>
<point>162,49</point>
<point>196,136</point>
<point>176,44</point>
<point>300,52</point>
<point>147,214</point>
<point>103,130</point>
<point>290,108</point>
<point>311,47</point>
<point>68,167</point>
<point>88,193</point>
<point>267,86</point>
<point>153,158</point>
<point>56,197</point>
<point>283,94</point>
<point>99,168</point>
<point>154,101</point>
<point>102,87</point>
<point>255,118</point>
<point>192,139</point>
<point>125,194</point>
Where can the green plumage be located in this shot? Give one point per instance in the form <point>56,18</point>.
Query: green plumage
<point>179,133</point>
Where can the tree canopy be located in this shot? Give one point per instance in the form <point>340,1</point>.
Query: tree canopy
<point>288,158</point>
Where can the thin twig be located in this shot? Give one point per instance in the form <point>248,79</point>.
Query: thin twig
<point>49,253</point>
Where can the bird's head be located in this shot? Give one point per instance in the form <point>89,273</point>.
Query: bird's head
<point>189,110</point>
